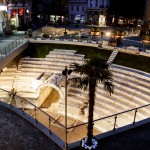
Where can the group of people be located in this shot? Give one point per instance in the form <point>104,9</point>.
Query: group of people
<point>112,41</point>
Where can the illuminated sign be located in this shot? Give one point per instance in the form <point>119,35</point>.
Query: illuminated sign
<point>2,8</point>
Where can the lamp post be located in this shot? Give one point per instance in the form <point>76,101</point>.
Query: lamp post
<point>66,72</point>
<point>66,12</point>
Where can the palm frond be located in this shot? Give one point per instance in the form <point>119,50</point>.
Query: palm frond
<point>109,87</point>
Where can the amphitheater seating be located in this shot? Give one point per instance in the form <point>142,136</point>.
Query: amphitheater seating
<point>132,88</point>
<point>131,91</point>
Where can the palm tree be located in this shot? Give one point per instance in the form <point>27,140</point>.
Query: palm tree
<point>92,72</point>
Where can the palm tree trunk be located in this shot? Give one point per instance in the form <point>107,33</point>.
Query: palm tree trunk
<point>92,87</point>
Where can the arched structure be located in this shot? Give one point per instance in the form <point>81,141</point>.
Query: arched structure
<point>58,89</point>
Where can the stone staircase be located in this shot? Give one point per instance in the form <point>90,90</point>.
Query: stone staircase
<point>112,56</point>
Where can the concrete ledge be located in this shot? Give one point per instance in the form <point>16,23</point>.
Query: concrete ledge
<point>13,53</point>
<point>93,44</point>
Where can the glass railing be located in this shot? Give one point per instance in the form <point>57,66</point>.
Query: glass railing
<point>5,51</point>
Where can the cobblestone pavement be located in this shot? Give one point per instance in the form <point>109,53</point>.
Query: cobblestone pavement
<point>18,134</point>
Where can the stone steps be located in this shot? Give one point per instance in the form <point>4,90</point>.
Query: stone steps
<point>120,100</point>
<point>127,77</point>
<point>63,51</point>
<point>131,72</point>
<point>131,88</point>
<point>132,83</point>
<point>60,56</point>
<point>69,61</point>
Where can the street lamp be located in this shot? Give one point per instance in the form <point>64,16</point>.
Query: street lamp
<point>66,12</point>
<point>66,72</point>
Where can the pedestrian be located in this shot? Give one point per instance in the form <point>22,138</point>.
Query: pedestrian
<point>110,41</point>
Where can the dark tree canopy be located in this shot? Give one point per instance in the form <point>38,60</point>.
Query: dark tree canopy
<point>127,8</point>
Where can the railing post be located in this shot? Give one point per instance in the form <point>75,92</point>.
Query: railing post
<point>35,114</point>
<point>135,116</point>
<point>22,105</point>
<point>19,41</point>
<point>5,52</point>
<point>1,55</point>
<point>16,43</point>
<point>49,124</point>
<point>9,47</point>
<point>115,122</point>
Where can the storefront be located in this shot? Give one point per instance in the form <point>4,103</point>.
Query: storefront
<point>18,17</point>
<point>3,10</point>
<point>80,19</point>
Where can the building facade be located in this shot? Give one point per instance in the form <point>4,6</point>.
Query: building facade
<point>19,13</point>
<point>147,13</point>
<point>88,11</point>
<point>14,14</point>
<point>3,16</point>
<point>96,12</point>
<point>77,11</point>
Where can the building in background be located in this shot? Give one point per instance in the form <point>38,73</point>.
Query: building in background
<point>147,13</point>
<point>88,11</point>
<point>19,13</point>
<point>49,12</point>
<point>3,17</point>
<point>77,11</point>
<point>14,15</point>
<point>96,12</point>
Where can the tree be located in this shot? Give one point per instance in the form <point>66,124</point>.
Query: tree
<point>92,72</point>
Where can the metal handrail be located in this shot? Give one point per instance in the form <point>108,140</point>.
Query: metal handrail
<point>114,115</point>
<point>35,107</point>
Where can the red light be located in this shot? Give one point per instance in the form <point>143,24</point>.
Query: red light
<point>13,13</point>
<point>21,11</point>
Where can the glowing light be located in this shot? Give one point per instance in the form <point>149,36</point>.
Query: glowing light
<point>27,11</point>
<point>108,33</point>
<point>2,8</point>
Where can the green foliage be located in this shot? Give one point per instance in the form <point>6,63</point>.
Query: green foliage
<point>124,59</point>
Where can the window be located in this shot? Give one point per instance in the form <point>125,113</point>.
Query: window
<point>77,8</point>
<point>71,8</point>
<point>91,3</point>
<point>103,1</point>
<point>96,3</point>
<point>82,8</point>
<point>72,17</point>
